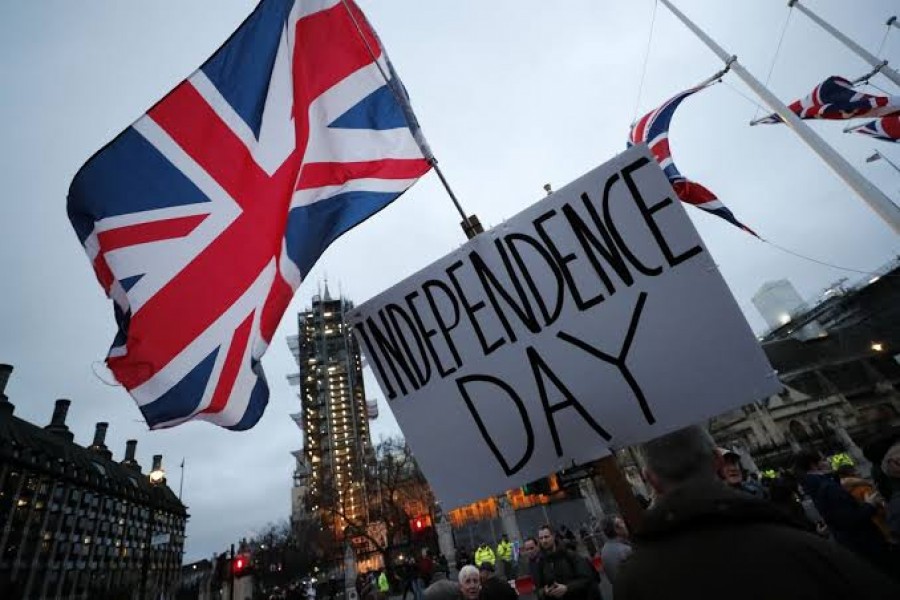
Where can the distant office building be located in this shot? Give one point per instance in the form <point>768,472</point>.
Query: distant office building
<point>777,302</point>
<point>843,384</point>
<point>334,413</point>
<point>75,524</point>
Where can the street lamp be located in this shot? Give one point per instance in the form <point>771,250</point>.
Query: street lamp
<point>156,477</point>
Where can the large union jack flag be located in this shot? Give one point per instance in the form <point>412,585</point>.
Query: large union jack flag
<point>886,128</point>
<point>203,217</point>
<point>836,98</point>
<point>653,129</point>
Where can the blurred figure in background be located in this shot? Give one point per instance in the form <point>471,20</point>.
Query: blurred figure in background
<point>617,547</point>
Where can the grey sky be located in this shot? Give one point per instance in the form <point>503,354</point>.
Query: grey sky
<point>511,95</point>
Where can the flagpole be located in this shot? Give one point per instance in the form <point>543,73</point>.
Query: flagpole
<point>870,194</point>
<point>880,65</point>
<point>181,483</point>
<point>471,226</point>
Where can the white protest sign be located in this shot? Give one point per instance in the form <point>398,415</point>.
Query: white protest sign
<point>592,320</point>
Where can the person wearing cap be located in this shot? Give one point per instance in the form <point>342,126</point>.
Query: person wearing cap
<point>733,474</point>
<point>703,539</point>
<point>492,587</point>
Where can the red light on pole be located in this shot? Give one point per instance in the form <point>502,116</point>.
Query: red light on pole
<point>240,565</point>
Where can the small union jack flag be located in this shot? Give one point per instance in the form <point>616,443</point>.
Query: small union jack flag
<point>886,128</point>
<point>653,129</point>
<point>202,218</point>
<point>836,98</point>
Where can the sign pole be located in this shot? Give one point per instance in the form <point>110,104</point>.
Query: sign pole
<point>631,509</point>
<point>871,195</point>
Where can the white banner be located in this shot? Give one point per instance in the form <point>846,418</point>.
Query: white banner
<point>592,320</point>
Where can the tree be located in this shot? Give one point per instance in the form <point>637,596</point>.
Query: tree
<point>282,551</point>
<point>396,492</point>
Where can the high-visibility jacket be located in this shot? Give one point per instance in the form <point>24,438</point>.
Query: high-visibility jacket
<point>484,554</point>
<point>504,551</point>
<point>383,585</point>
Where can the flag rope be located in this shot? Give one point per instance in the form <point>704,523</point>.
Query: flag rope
<point>743,95</point>
<point>637,101</point>
<point>784,28</point>
<point>821,262</point>
<point>884,39</point>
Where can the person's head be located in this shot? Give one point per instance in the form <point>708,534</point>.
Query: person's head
<point>530,548</point>
<point>503,538</point>
<point>546,539</point>
<point>684,455</point>
<point>808,461</point>
<point>731,467</point>
<point>847,471</point>
<point>469,582</point>
<point>614,527</point>
<point>485,571</point>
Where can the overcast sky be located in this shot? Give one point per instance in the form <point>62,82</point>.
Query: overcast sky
<point>511,95</point>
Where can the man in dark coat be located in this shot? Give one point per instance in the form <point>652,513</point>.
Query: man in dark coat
<point>848,520</point>
<point>561,574</point>
<point>702,539</point>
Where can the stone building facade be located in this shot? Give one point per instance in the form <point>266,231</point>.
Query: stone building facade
<point>76,524</point>
<point>842,381</point>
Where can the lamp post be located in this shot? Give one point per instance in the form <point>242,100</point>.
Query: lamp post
<point>156,477</point>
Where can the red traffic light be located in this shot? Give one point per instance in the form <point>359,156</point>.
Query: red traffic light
<point>240,565</point>
<point>420,524</point>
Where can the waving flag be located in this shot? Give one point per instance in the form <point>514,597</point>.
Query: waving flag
<point>653,129</point>
<point>835,98</point>
<point>886,128</point>
<point>203,217</point>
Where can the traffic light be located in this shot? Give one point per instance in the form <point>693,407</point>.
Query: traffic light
<point>420,524</point>
<point>240,565</point>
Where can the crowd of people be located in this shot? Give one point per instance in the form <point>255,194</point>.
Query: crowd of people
<point>713,530</point>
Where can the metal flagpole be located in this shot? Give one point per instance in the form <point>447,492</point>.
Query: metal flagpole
<point>880,65</point>
<point>470,224</point>
<point>870,194</point>
<point>181,483</point>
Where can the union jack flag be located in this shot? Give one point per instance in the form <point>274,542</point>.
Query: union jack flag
<point>886,128</point>
<point>653,129</point>
<point>836,98</point>
<point>202,218</point>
